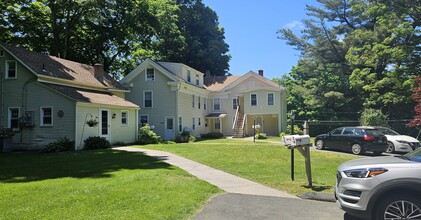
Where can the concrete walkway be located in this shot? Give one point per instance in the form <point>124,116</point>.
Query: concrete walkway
<point>223,180</point>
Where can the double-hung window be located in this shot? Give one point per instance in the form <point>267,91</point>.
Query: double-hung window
<point>180,124</point>
<point>150,74</point>
<point>234,103</point>
<point>193,99</point>
<point>270,99</point>
<point>46,116</point>
<point>253,99</point>
<point>217,123</point>
<point>143,120</point>
<point>188,76</point>
<point>199,121</point>
<point>193,123</point>
<point>197,79</point>
<point>124,118</point>
<point>216,104</point>
<point>147,99</point>
<point>11,69</point>
<point>198,102</point>
<point>14,118</point>
<point>204,103</point>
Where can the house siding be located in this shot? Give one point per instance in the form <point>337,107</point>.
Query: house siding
<point>164,100</point>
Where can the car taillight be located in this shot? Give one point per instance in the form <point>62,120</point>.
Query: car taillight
<point>368,138</point>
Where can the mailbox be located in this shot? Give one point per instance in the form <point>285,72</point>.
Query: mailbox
<point>288,139</point>
<point>301,140</point>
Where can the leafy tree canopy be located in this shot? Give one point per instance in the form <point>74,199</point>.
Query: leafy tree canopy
<point>355,54</point>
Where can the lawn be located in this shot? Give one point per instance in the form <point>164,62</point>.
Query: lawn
<point>263,162</point>
<point>100,184</point>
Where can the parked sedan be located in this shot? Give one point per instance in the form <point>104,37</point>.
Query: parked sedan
<point>397,142</point>
<point>381,188</point>
<point>357,140</point>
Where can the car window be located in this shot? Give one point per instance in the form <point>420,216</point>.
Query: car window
<point>337,131</point>
<point>388,131</point>
<point>358,132</point>
<point>349,131</point>
<point>373,132</point>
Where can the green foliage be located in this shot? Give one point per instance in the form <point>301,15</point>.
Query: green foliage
<point>373,117</point>
<point>147,136</point>
<point>185,137</point>
<point>212,135</point>
<point>260,136</point>
<point>96,142</point>
<point>365,57</point>
<point>297,130</point>
<point>60,145</point>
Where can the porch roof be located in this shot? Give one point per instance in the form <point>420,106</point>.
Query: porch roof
<point>216,115</point>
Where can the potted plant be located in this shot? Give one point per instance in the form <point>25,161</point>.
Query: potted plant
<point>92,122</point>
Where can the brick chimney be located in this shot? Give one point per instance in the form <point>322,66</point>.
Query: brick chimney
<point>261,72</point>
<point>99,72</point>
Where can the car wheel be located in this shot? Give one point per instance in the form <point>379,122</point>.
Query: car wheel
<point>398,206</point>
<point>356,149</point>
<point>390,147</point>
<point>320,145</point>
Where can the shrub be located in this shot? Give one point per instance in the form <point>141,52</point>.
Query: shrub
<point>373,117</point>
<point>260,136</point>
<point>147,136</point>
<point>297,130</point>
<point>185,137</point>
<point>212,135</point>
<point>96,143</point>
<point>60,145</point>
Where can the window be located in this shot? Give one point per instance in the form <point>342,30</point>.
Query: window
<point>147,99</point>
<point>192,104</point>
<point>193,123</point>
<point>188,76</point>
<point>217,124</point>
<point>150,74</point>
<point>337,131</point>
<point>198,102</point>
<point>270,99</point>
<point>1,53</point>
<point>11,71</point>
<point>180,124</point>
<point>143,120</point>
<point>14,118</point>
<point>46,116</point>
<point>124,118</point>
<point>204,103</point>
<point>199,121</point>
<point>197,79</point>
<point>253,99</point>
<point>234,103</point>
<point>216,104</point>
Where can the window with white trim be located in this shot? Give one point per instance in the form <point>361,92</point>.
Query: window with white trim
<point>180,124</point>
<point>204,103</point>
<point>197,79</point>
<point>234,103</point>
<point>124,118</point>
<point>150,74</point>
<point>46,116</point>
<point>193,99</point>
<point>143,120</point>
<point>11,69</point>
<point>270,99</point>
<point>199,121</point>
<point>13,121</point>
<point>198,102</point>
<point>147,99</point>
<point>216,104</point>
<point>253,99</point>
<point>188,76</point>
<point>193,123</point>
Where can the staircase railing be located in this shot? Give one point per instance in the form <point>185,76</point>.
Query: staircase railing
<point>236,117</point>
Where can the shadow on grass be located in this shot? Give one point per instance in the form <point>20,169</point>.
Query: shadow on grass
<point>27,167</point>
<point>318,188</point>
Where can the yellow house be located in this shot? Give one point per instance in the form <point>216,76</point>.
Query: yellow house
<point>175,97</point>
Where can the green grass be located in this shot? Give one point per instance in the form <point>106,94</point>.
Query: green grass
<point>100,184</point>
<point>263,162</point>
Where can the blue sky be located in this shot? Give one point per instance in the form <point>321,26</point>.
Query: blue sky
<point>250,31</point>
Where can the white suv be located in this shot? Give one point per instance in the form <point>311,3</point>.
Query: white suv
<point>381,187</point>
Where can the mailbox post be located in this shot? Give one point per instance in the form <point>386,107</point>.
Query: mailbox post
<point>292,149</point>
<point>302,144</point>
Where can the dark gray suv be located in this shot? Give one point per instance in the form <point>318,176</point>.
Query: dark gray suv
<point>381,187</point>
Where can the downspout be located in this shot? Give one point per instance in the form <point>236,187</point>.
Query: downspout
<point>24,101</point>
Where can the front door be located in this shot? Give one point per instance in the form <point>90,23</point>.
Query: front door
<point>104,123</point>
<point>169,128</point>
